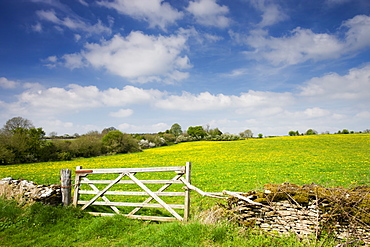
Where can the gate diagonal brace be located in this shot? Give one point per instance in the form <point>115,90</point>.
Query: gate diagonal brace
<point>104,190</point>
<point>115,209</point>
<point>152,194</point>
<point>149,199</point>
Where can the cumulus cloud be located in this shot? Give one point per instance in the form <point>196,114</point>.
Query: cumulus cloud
<point>138,57</point>
<point>54,100</point>
<point>156,13</point>
<point>7,84</point>
<point>302,44</point>
<point>209,13</point>
<point>353,86</point>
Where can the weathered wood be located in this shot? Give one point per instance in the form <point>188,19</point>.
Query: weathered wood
<point>103,191</point>
<point>199,190</point>
<point>137,217</point>
<point>133,204</point>
<point>175,178</point>
<point>159,200</point>
<point>96,190</point>
<point>234,194</point>
<point>180,169</point>
<point>65,179</point>
<point>76,195</point>
<point>132,182</point>
<point>132,193</point>
<point>187,192</point>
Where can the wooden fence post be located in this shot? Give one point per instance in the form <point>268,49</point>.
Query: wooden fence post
<point>77,186</point>
<point>65,177</point>
<point>187,192</point>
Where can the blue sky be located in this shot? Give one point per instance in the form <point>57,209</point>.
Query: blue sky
<point>140,66</point>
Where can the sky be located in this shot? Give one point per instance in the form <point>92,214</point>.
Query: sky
<point>74,66</point>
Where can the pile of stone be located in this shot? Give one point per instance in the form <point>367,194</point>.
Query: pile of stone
<point>28,192</point>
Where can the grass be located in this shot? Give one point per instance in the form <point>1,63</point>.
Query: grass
<point>329,160</point>
<point>39,225</point>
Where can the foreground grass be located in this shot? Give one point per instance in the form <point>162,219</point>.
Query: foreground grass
<point>39,225</point>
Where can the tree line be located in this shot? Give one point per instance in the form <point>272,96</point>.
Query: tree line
<point>22,142</point>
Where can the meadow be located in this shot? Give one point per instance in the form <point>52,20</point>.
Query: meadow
<point>329,160</point>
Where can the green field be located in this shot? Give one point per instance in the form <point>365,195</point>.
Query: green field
<point>329,160</point>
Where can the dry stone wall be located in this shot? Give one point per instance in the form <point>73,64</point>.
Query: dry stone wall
<point>307,210</point>
<point>28,192</point>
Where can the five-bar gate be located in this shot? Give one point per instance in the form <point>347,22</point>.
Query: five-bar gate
<point>130,176</point>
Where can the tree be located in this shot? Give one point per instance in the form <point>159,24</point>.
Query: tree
<point>197,132</point>
<point>292,133</point>
<point>260,135</point>
<point>345,131</point>
<point>117,142</point>
<point>215,132</point>
<point>246,134</point>
<point>17,122</point>
<point>176,129</point>
<point>106,130</point>
<point>311,132</point>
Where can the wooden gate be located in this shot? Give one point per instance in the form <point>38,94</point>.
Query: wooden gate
<point>182,176</point>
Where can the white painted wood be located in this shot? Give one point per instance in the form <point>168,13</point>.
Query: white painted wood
<point>133,204</point>
<point>96,191</point>
<point>159,200</point>
<point>132,182</point>
<point>175,178</point>
<point>138,217</point>
<point>131,193</point>
<point>180,169</point>
<point>241,197</point>
<point>103,191</point>
<point>199,190</point>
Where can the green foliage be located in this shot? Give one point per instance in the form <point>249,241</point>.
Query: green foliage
<point>176,129</point>
<point>311,132</point>
<point>260,135</point>
<point>345,131</point>
<point>197,132</point>
<point>117,142</point>
<point>88,145</point>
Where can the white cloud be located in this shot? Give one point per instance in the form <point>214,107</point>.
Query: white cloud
<point>209,13</point>
<point>154,12</point>
<point>5,83</point>
<point>303,44</point>
<point>300,46</point>
<point>138,57</point>
<point>358,34</point>
<point>74,23</point>
<point>246,102</point>
<point>271,13</point>
<point>73,61</point>
<point>353,86</point>
<point>121,113</point>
